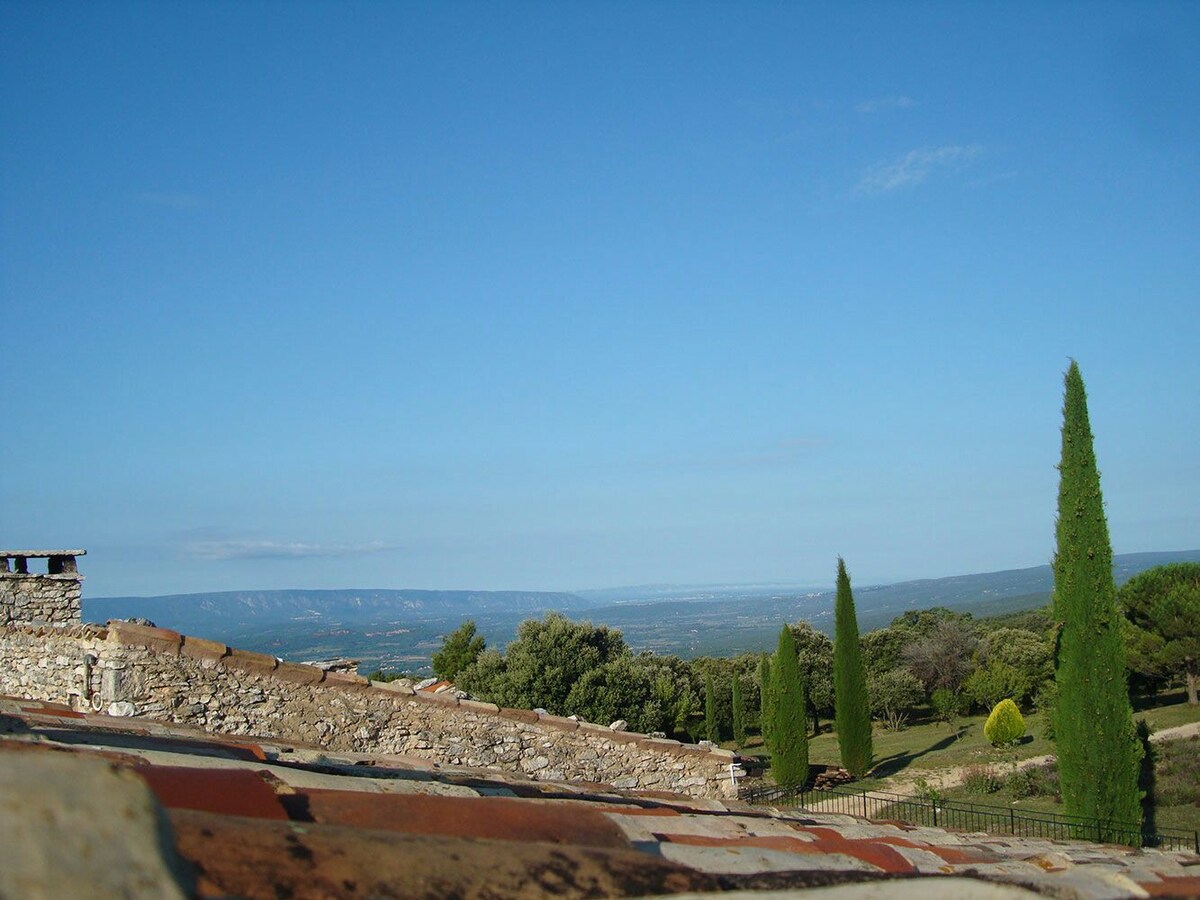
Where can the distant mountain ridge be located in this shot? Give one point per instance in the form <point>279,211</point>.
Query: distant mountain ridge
<point>401,629</point>
<point>344,606</point>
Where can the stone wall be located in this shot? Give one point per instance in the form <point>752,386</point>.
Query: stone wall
<point>40,599</point>
<point>128,669</point>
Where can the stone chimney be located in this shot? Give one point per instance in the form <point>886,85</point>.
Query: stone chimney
<point>36,598</point>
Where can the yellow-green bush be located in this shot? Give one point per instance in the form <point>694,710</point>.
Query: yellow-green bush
<point>1005,724</point>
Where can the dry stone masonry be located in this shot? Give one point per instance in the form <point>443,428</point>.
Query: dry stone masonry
<point>135,670</point>
<point>50,598</point>
<point>124,669</point>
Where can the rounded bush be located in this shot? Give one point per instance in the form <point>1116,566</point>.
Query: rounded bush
<point>1005,724</point>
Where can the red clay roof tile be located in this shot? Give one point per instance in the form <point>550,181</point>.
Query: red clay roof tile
<point>231,792</point>
<point>257,859</point>
<point>496,818</point>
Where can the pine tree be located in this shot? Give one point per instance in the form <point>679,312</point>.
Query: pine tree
<point>460,648</point>
<point>1098,750</point>
<point>851,704</point>
<point>765,708</point>
<point>711,731</point>
<point>739,712</point>
<point>789,728</point>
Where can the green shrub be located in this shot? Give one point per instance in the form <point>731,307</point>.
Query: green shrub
<point>948,705</point>
<point>988,686</point>
<point>1005,725</point>
<point>925,791</point>
<point>1178,775</point>
<point>981,780</point>
<point>1035,781</point>
<point>893,694</point>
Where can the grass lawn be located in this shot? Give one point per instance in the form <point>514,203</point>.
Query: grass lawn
<point>926,745</point>
<point>1167,711</point>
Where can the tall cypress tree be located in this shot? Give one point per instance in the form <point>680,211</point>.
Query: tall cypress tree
<point>739,712</point>
<point>789,729</point>
<point>1098,749</point>
<point>766,710</point>
<point>711,731</point>
<point>852,708</point>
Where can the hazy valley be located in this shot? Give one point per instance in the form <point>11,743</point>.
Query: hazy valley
<point>400,629</point>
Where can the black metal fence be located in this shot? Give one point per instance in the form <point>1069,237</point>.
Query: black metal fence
<point>955,815</point>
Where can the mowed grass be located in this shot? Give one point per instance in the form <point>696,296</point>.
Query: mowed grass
<point>1167,711</point>
<point>927,745</point>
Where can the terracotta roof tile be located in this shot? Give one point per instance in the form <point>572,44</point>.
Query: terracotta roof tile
<point>301,821</point>
<point>257,859</point>
<point>231,792</point>
<point>496,818</point>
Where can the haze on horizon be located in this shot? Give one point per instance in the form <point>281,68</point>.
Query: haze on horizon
<point>535,296</point>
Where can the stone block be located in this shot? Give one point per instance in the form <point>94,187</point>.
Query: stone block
<point>519,715</point>
<point>347,680</point>
<point>298,673</point>
<point>478,706</point>
<point>394,686</point>
<point>559,722</point>
<point>662,745</point>
<point>446,699</point>
<point>200,648</point>
<point>154,639</point>
<point>625,737</point>
<point>257,663</point>
<point>603,732</point>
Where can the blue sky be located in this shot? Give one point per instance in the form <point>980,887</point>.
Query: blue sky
<point>554,296</point>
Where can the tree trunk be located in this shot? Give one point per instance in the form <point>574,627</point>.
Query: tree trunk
<point>1191,687</point>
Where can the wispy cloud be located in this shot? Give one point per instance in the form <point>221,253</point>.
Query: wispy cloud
<point>170,199</point>
<point>879,104</point>
<point>236,549</point>
<point>914,167</point>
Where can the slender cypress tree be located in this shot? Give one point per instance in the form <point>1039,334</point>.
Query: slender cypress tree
<point>1098,750</point>
<point>789,730</point>
<point>852,708</point>
<point>739,712</point>
<point>711,731</point>
<point>766,710</point>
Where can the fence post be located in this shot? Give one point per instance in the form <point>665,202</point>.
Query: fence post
<point>1012,820</point>
<point>865,816</point>
<point>933,804</point>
